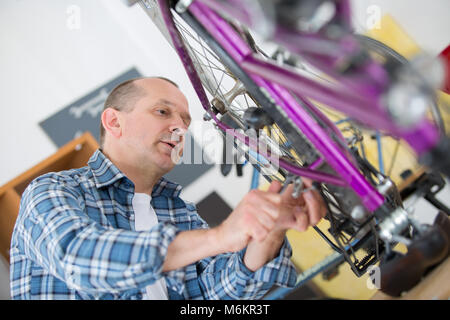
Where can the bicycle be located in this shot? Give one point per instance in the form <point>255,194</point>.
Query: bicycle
<point>270,106</point>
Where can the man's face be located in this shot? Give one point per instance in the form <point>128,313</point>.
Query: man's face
<point>149,130</point>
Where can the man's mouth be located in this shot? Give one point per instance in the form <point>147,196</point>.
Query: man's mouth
<point>171,150</point>
<point>170,143</point>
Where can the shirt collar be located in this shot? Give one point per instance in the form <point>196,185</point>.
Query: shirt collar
<point>166,188</point>
<point>106,173</point>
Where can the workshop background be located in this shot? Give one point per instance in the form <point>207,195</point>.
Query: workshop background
<point>58,59</point>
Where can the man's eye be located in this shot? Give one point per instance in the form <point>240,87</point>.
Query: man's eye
<point>162,111</point>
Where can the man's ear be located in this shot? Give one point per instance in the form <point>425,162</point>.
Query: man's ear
<point>111,122</point>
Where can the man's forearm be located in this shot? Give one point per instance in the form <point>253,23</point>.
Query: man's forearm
<point>191,246</point>
<point>259,253</point>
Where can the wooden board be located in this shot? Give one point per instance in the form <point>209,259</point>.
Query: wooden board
<point>74,154</point>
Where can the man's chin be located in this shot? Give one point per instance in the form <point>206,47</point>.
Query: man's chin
<point>168,159</point>
<point>166,163</point>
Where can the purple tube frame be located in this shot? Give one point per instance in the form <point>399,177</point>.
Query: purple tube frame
<point>366,106</point>
<point>282,79</point>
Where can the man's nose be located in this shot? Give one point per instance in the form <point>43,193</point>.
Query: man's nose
<point>178,124</point>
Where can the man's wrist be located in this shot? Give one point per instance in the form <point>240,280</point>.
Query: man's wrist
<point>216,240</point>
<point>259,253</point>
<point>276,236</point>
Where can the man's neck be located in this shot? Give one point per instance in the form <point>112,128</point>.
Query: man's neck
<point>144,178</point>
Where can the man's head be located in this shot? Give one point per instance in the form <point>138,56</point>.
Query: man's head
<point>140,120</point>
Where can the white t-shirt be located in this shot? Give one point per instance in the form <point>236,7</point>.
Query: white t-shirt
<point>145,218</point>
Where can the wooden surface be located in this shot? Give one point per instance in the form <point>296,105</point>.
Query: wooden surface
<point>435,286</point>
<point>74,154</point>
<point>71,155</point>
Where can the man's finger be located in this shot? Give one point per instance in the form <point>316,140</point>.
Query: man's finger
<point>301,219</point>
<point>258,232</point>
<point>275,186</point>
<point>307,182</point>
<point>321,201</point>
<point>266,220</point>
<point>314,207</point>
<point>287,194</point>
<point>255,228</point>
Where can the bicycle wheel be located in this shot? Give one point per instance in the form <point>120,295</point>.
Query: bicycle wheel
<point>294,147</point>
<point>233,94</point>
<point>390,156</point>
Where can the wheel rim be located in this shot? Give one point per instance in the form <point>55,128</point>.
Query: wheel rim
<point>218,82</point>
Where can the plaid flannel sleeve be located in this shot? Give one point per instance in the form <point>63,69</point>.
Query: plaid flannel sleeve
<point>57,234</point>
<point>226,277</point>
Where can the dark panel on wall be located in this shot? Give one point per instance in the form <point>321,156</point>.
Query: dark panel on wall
<point>213,209</point>
<point>83,114</point>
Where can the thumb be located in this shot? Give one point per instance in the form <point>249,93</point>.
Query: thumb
<point>275,186</point>
<point>307,182</point>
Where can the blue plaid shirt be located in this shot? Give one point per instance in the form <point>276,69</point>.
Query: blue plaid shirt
<point>74,238</point>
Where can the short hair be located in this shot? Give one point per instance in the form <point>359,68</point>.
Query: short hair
<point>123,98</point>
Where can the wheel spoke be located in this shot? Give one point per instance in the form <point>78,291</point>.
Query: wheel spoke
<point>218,81</point>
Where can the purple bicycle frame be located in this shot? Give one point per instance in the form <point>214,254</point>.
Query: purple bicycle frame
<point>276,81</point>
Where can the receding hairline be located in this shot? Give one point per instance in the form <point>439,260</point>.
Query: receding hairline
<point>141,79</point>
<point>126,94</point>
<point>129,91</point>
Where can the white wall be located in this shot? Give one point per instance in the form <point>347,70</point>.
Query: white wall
<point>427,22</point>
<point>46,65</point>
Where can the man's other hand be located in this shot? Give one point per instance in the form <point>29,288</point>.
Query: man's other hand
<point>262,212</point>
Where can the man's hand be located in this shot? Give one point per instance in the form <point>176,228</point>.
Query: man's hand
<point>259,223</point>
<point>261,213</point>
<point>301,212</point>
<point>254,217</point>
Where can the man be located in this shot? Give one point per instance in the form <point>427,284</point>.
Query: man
<point>116,229</point>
